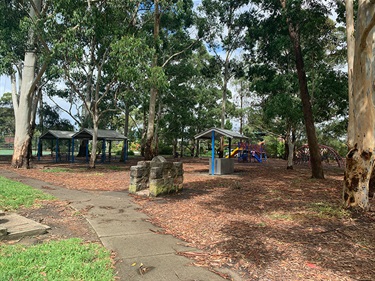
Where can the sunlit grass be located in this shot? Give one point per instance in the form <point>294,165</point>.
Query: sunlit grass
<point>325,210</point>
<point>70,259</point>
<point>14,194</point>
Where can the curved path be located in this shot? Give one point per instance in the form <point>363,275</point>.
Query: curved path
<point>124,230</point>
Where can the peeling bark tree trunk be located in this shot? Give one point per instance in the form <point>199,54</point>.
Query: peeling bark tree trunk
<point>23,103</point>
<point>94,143</point>
<point>315,159</point>
<point>361,159</point>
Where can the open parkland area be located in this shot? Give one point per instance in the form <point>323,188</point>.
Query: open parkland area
<point>263,222</point>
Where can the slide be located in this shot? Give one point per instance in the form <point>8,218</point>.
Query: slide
<point>256,156</point>
<point>234,152</point>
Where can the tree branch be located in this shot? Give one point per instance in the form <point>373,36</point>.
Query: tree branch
<point>38,77</point>
<point>367,30</point>
<point>66,111</point>
<point>179,53</point>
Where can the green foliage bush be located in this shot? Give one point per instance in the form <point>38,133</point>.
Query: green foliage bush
<point>165,149</point>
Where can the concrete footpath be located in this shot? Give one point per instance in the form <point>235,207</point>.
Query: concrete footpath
<point>126,231</point>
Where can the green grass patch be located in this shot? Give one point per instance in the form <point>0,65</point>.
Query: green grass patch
<point>6,151</point>
<point>327,211</point>
<point>56,260</point>
<point>14,194</point>
<point>57,170</point>
<point>115,168</point>
<point>281,216</point>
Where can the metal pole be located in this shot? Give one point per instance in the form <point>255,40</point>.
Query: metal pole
<point>213,153</point>
<point>103,151</point>
<point>72,150</point>
<point>57,150</point>
<point>87,151</point>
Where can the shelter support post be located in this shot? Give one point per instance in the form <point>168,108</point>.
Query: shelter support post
<point>57,150</point>
<point>103,150</point>
<point>87,151</point>
<point>110,151</point>
<point>230,147</point>
<point>39,148</point>
<point>72,150</point>
<point>69,146</point>
<point>213,153</point>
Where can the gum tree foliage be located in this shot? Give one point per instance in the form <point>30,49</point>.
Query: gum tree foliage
<point>190,102</point>
<point>171,20</point>
<point>224,30</point>
<point>85,58</point>
<point>297,39</point>
<point>277,85</point>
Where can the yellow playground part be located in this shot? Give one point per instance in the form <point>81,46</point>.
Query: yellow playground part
<point>234,152</point>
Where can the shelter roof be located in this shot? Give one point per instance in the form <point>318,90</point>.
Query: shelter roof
<point>220,133</point>
<point>56,134</point>
<point>102,134</point>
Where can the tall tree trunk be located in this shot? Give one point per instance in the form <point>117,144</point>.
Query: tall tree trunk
<point>350,46</point>
<point>23,103</point>
<point>149,153</point>
<point>41,120</point>
<point>94,143</point>
<point>144,133</point>
<point>315,159</point>
<point>291,144</point>
<point>156,138</point>
<point>126,130</point>
<point>361,158</point>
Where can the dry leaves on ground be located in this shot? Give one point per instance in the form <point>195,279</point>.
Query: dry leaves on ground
<point>262,223</point>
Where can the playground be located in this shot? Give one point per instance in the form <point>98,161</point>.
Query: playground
<point>262,222</point>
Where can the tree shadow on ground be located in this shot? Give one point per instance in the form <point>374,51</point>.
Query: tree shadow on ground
<point>272,222</point>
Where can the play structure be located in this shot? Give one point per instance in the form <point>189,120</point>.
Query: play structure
<point>220,166</point>
<point>245,152</point>
<point>328,154</point>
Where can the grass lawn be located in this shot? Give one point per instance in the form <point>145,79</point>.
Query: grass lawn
<point>6,151</point>
<point>71,259</point>
<point>14,194</point>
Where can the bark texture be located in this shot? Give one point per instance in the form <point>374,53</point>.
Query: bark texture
<point>23,101</point>
<point>360,158</point>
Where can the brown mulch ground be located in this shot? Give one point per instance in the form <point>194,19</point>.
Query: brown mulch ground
<point>263,222</point>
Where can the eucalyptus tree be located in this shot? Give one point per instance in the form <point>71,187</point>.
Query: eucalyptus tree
<point>189,103</point>
<point>87,31</point>
<point>302,30</point>
<point>224,32</point>
<point>361,140</point>
<point>171,20</point>
<point>23,51</point>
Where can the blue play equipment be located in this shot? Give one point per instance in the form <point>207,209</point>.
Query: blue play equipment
<point>248,151</point>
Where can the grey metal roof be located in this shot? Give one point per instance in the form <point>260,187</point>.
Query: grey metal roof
<point>219,133</point>
<point>102,134</point>
<point>56,134</point>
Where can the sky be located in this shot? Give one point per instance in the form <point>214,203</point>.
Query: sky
<point>5,86</point>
